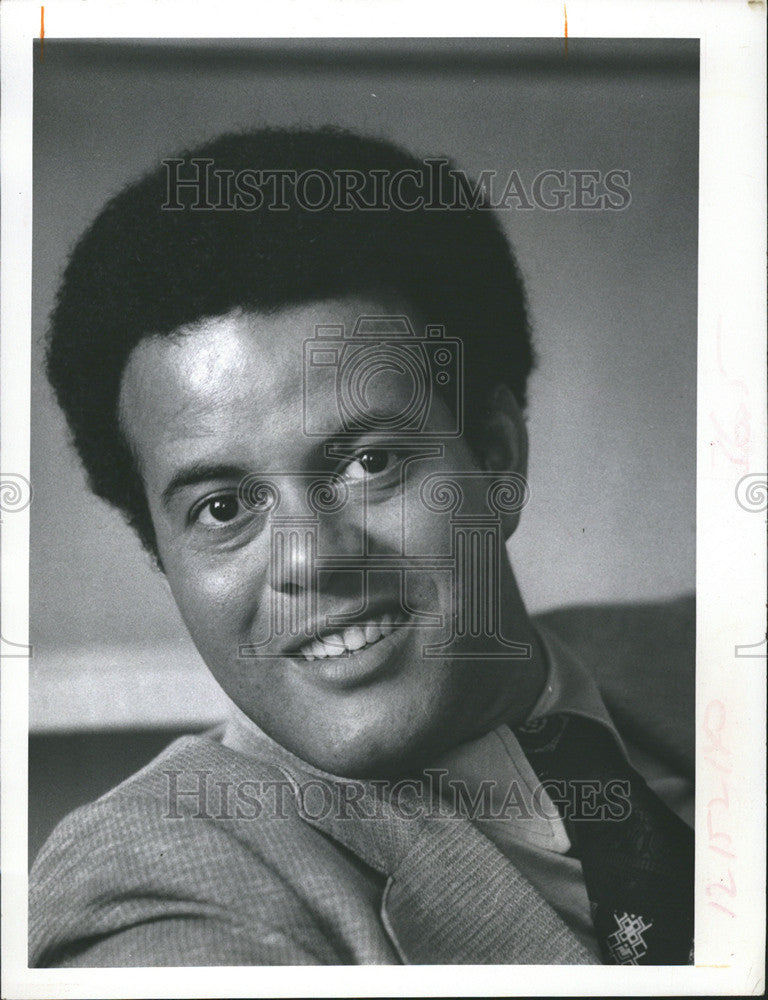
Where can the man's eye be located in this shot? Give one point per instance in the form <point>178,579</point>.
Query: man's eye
<point>367,463</point>
<point>218,510</point>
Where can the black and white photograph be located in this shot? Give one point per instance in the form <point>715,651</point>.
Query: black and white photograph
<point>368,606</point>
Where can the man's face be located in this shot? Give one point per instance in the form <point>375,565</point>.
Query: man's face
<point>211,411</point>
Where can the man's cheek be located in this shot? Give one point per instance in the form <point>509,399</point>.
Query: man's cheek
<point>214,607</point>
<point>426,533</point>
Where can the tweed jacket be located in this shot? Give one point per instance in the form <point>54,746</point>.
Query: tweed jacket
<point>158,873</point>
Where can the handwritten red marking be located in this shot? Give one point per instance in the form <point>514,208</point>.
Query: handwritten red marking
<point>717,755</point>
<point>734,444</point>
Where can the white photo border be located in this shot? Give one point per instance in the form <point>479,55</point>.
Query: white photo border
<point>731,542</point>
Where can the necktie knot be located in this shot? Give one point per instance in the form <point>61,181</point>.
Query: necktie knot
<point>572,747</point>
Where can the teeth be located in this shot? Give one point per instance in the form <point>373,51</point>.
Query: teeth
<point>352,639</point>
<point>372,633</point>
<point>334,645</point>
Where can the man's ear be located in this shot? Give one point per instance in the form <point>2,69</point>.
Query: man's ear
<point>503,443</point>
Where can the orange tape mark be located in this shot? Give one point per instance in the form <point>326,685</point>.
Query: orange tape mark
<point>42,31</point>
<point>565,16</point>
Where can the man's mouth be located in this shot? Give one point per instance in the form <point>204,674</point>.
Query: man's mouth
<point>348,640</point>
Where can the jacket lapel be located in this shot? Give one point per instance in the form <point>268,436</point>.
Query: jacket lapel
<point>456,899</point>
<point>451,896</point>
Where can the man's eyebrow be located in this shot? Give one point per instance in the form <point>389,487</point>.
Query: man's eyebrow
<point>200,472</point>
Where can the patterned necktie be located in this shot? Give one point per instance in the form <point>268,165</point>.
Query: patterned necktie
<point>636,854</point>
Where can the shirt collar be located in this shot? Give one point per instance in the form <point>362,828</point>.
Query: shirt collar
<point>498,757</point>
<point>569,687</point>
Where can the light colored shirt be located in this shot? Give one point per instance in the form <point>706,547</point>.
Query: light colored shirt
<point>534,836</point>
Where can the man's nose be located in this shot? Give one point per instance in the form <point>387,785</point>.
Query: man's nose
<point>293,558</point>
<point>301,534</point>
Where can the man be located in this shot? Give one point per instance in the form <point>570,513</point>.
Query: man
<point>310,408</point>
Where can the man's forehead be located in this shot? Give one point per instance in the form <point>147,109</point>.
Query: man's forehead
<point>231,370</point>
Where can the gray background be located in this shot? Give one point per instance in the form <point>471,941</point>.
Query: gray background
<point>612,294</point>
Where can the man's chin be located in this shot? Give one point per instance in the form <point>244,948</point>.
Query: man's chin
<point>378,751</point>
